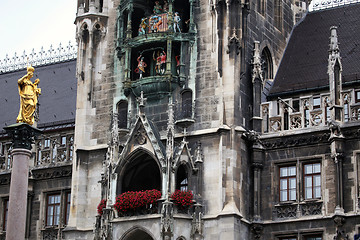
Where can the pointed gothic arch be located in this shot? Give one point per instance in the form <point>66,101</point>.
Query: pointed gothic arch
<point>267,64</point>
<point>137,233</point>
<point>140,172</point>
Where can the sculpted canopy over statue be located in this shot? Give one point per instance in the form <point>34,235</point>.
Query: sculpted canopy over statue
<point>29,93</point>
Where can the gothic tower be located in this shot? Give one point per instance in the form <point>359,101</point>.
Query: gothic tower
<point>168,99</point>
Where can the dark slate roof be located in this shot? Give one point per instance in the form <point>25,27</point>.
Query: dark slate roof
<point>57,100</point>
<point>304,64</point>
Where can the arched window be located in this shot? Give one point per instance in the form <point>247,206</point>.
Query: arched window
<point>182,178</point>
<point>122,110</point>
<point>267,64</point>
<point>85,34</point>
<point>141,173</point>
<point>186,103</point>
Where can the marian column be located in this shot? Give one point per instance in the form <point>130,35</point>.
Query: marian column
<point>22,134</point>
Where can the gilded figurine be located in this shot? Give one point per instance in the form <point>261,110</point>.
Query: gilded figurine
<point>29,93</point>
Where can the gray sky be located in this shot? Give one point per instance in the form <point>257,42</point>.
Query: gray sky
<point>28,24</point>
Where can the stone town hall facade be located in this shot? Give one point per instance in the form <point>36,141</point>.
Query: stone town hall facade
<point>253,106</point>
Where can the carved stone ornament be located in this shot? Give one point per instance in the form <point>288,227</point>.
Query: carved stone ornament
<point>197,223</point>
<point>257,230</point>
<point>167,219</point>
<point>311,209</point>
<point>286,211</point>
<point>334,128</point>
<point>234,41</point>
<point>340,233</point>
<point>140,136</point>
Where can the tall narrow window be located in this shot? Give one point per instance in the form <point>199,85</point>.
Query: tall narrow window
<point>306,113</point>
<point>53,210</point>
<point>122,110</point>
<point>288,183</point>
<point>186,103</point>
<point>67,208</point>
<point>181,179</point>
<point>346,100</point>
<point>261,6</point>
<point>327,109</point>
<point>312,180</point>
<point>278,14</point>
<point>286,119</point>
<point>296,105</point>
<point>267,64</point>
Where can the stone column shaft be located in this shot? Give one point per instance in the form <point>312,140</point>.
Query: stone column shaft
<point>16,222</point>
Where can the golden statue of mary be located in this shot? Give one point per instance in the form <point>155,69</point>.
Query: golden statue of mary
<point>29,93</point>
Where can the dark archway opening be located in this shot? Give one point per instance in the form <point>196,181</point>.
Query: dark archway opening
<point>137,235</point>
<point>142,173</point>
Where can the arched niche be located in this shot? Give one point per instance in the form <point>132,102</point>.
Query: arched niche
<point>141,172</point>
<point>182,178</point>
<point>122,111</point>
<point>137,233</point>
<point>267,64</point>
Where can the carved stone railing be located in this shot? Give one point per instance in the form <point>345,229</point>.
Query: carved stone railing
<point>295,121</point>
<point>44,57</point>
<point>316,118</point>
<point>355,113</point>
<point>54,152</point>
<point>295,210</point>
<point>286,211</point>
<point>275,124</point>
<point>309,209</point>
<point>51,234</point>
<point>323,4</point>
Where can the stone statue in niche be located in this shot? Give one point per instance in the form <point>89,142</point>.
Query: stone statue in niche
<point>143,26</point>
<point>160,62</point>
<point>141,66</point>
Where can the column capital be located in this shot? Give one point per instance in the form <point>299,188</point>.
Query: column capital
<point>22,135</point>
